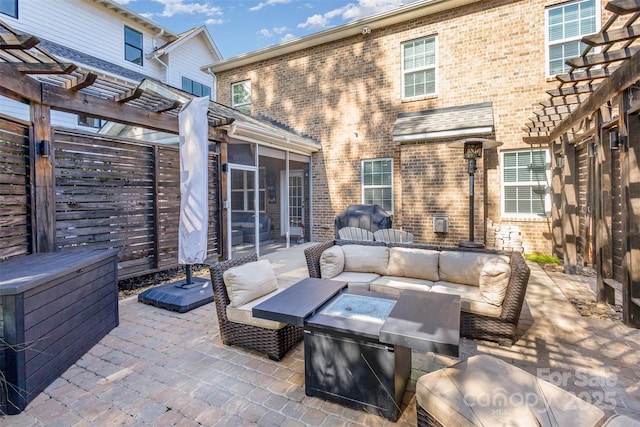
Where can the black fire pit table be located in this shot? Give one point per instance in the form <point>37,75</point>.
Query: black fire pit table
<point>357,344</point>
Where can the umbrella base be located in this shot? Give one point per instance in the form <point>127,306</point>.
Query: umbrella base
<point>179,296</point>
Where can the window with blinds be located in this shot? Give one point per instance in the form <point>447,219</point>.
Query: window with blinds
<point>525,183</point>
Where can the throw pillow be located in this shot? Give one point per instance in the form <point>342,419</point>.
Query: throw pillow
<point>415,263</point>
<point>494,279</point>
<point>249,281</point>
<point>366,259</point>
<point>331,262</point>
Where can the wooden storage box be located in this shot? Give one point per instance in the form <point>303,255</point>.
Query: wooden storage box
<point>53,308</point>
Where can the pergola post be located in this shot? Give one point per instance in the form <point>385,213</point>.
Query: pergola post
<point>44,179</point>
<point>569,216</point>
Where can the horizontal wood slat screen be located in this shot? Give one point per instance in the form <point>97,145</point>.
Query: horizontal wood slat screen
<point>118,194</point>
<point>15,190</point>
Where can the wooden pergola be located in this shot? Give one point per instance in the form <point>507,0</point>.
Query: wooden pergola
<point>30,74</point>
<point>594,110</point>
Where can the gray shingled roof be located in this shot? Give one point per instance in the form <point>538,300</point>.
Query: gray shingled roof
<point>444,122</point>
<point>80,58</point>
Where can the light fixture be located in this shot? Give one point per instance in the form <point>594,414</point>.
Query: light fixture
<point>592,149</point>
<point>43,148</point>
<point>559,161</point>
<point>472,152</point>
<point>366,30</point>
<point>614,139</point>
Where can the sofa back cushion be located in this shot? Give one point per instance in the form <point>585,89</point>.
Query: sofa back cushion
<point>249,281</point>
<point>494,279</point>
<point>366,259</point>
<point>331,262</point>
<point>414,263</point>
<point>464,267</point>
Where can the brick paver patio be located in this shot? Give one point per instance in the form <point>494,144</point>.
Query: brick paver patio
<point>163,368</point>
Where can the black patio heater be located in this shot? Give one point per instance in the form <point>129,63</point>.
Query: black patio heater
<point>472,151</point>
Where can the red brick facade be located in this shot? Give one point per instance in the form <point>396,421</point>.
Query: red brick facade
<point>347,93</point>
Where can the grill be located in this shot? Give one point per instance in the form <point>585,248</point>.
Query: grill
<point>369,217</point>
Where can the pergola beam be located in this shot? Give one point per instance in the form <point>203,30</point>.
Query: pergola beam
<point>603,58</point>
<point>78,83</point>
<point>623,7</point>
<point>612,36</point>
<point>585,75</point>
<point>572,90</point>
<point>626,75</point>
<point>42,68</point>
<point>17,41</point>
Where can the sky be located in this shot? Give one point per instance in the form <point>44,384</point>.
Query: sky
<point>241,26</point>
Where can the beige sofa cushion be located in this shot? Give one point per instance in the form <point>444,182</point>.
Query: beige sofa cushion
<point>471,300</point>
<point>331,262</point>
<point>486,391</point>
<point>243,314</point>
<point>395,285</point>
<point>494,279</point>
<point>366,259</point>
<point>249,281</point>
<point>358,279</point>
<point>464,267</point>
<point>413,262</point>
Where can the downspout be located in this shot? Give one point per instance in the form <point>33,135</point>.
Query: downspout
<point>156,57</point>
<point>214,87</point>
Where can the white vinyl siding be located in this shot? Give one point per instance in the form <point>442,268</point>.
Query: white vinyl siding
<point>419,67</point>
<point>377,183</point>
<point>566,25</point>
<point>525,183</point>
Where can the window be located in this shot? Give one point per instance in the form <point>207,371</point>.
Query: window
<point>91,122</point>
<point>9,7</point>
<point>132,45</point>
<point>525,178</point>
<point>242,198</point>
<point>419,67</point>
<point>241,96</point>
<point>566,25</point>
<point>377,183</point>
<point>195,88</point>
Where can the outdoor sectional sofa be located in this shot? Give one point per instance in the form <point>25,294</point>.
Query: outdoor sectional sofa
<point>491,284</point>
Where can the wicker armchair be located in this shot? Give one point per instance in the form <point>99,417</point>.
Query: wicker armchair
<point>274,342</point>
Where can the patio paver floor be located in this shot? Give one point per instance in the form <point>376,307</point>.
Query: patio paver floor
<point>163,368</point>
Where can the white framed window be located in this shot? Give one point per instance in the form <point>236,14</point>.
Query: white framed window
<point>377,183</point>
<point>132,45</point>
<point>241,96</point>
<point>525,183</point>
<point>566,24</point>
<point>195,88</point>
<point>419,67</point>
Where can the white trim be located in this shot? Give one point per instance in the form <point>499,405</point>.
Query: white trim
<point>547,197</point>
<point>417,69</point>
<point>443,134</point>
<point>362,186</point>
<point>547,44</point>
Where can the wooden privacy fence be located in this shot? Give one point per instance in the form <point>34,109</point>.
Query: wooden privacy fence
<point>110,193</point>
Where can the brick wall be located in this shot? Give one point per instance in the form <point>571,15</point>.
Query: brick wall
<point>347,93</point>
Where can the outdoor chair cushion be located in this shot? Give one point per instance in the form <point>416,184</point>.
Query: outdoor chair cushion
<point>354,277</point>
<point>413,262</point>
<point>486,391</point>
<point>331,262</point>
<point>249,281</point>
<point>464,267</point>
<point>366,259</point>
<point>243,314</point>
<point>494,279</point>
